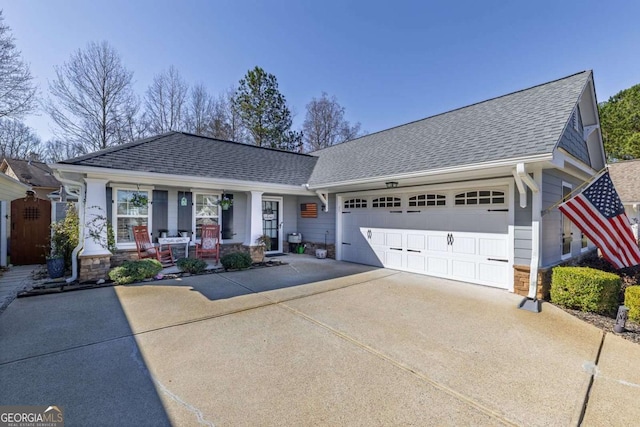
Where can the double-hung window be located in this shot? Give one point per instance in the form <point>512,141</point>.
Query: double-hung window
<point>132,208</point>
<point>206,211</point>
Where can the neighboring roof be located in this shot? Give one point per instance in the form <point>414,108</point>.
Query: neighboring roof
<point>180,153</point>
<point>36,174</point>
<point>11,189</point>
<point>525,123</point>
<point>626,178</point>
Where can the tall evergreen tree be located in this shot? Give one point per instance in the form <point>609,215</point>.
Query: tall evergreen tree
<point>263,111</point>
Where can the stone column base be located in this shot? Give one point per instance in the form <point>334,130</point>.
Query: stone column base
<point>521,275</point>
<point>94,267</point>
<point>256,252</point>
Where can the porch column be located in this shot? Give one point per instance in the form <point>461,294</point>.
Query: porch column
<point>254,218</point>
<point>95,227</point>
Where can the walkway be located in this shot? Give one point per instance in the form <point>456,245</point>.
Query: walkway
<point>14,280</point>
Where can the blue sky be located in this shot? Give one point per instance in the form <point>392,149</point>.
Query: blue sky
<point>388,63</point>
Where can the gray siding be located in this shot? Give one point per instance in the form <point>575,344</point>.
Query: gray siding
<point>574,143</point>
<point>239,218</point>
<point>290,218</point>
<point>522,245</point>
<point>551,227</point>
<point>314,229</point>
<point>522,230</point>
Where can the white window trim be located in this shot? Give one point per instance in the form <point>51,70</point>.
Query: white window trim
<point>480,205</point>
<point>394,199</point>
<point>115,216</point>
<point>443,198</point>
<point>193,211</point>
<point>562,219</point>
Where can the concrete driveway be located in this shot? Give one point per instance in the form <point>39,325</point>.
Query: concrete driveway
<point>316,342</point>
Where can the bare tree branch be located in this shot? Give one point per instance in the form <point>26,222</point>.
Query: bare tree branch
<point>93,100</point>
<point>324,124</point>
<point>165,102</point>
<point>17,92</point>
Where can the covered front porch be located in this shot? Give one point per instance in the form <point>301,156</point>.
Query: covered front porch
<point>175,209</point>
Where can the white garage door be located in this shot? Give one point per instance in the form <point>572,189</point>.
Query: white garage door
<point>459,235</point>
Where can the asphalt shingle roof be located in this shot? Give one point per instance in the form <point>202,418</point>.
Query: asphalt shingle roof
<point>524,123</point>
<point>33,173</point>
<point>181,153</point>
<point>626,178</point>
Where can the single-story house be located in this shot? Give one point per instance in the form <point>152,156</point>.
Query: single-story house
<point>468,195</point>
<point>31,217</point>
<point>626,178</point>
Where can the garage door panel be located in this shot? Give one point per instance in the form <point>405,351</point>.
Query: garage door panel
<point>463,269</point>
<point>491,247</point>
<point>492,273</point>
<point>393,259</point>
<point>437,266</point>
<point>394,239</point>
<point>416,263</point>
<point>416,241</point>
<point>437,243</point>
<point>464,245</point>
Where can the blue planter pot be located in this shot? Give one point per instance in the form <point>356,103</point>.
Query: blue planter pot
<point>55,267</point>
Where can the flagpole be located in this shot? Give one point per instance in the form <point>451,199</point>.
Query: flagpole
<point>577,189</point>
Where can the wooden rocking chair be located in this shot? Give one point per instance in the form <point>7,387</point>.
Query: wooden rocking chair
<point>146,249</point>
<point>209,242</point>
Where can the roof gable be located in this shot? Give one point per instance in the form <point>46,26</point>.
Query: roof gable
<point>36,174</point>
<point>179,153</point>
<point>526,123</point>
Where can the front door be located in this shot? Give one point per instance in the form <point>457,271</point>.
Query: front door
<point>272,222</point>
<point>30,221</point>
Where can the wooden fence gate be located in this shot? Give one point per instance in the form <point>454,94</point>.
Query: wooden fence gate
<point>30,233</point>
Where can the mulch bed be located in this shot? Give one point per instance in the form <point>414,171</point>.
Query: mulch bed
<point>44,285</point>
<point>630,277</point>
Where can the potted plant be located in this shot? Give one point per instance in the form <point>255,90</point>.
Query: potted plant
<point>257,252</point>
<point>225,203</point>
<point>139,200</point>
<point>55,264</point>
<point>322,253</point>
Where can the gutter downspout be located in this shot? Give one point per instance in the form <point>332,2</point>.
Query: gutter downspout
<point>78,248</point>
<point>531,302</point>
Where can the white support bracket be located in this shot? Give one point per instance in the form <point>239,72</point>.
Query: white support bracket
<point>522,178</point>
<point>324,198</point>
<point>588,130</point>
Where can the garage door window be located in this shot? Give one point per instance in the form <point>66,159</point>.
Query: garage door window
<point>484,197</point>
<point>386,202</point>
<point>427,200</point>
<point>355,203</point>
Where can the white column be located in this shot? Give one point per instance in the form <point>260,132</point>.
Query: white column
<point>3,233</point>
<point>254,218</point>
<point>95,218</point>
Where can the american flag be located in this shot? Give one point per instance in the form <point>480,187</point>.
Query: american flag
<point>599,214</point>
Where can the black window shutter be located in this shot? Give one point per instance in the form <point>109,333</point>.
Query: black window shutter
<point>110,205</point>
<point>227,220</point>
<point>159,210</point>
<point>185,213</point>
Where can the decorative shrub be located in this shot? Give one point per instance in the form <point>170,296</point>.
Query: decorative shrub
<point>585,289</point>
<point>191,265</point>
<point>236,261</point>
<point>135,271</point>
<point>64,236</point>
<point>632,301</point>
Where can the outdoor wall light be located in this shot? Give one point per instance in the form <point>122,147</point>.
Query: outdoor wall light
<point>391,184</point>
